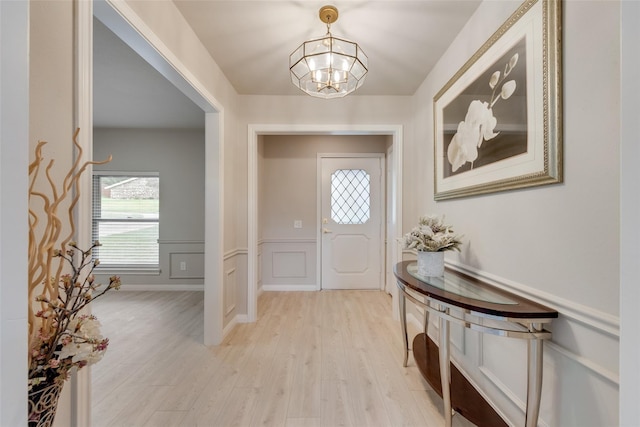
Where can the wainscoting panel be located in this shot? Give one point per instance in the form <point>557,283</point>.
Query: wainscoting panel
<point>234,291</point>
<point>509,373</point>
<point>229,291</point>
<point>580,363</point>
<point>288,264</point>
<point>186,265</point>
<point>568,379</point>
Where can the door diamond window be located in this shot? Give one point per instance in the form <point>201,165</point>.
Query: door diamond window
<point>350,196</point>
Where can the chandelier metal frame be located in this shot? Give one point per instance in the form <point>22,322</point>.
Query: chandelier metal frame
<point>328,67</point>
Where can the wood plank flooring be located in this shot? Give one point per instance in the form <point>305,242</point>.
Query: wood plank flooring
<point>330,358</point>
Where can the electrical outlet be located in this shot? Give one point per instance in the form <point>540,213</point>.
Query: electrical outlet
<point>183,265</point>
<point>297,223</point>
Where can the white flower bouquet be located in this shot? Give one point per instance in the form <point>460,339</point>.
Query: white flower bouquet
<point>432,235</point>
<point>67,338</point>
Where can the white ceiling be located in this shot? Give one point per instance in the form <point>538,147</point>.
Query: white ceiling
<point>251,42</point>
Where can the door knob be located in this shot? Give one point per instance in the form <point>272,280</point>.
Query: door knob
<point>326,231</point>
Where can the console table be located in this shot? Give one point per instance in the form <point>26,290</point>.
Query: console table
<point>476,305</point>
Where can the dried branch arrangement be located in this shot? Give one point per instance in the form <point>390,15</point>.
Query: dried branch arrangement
<point>45,230</point>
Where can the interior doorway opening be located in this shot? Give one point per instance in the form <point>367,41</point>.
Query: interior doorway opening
<point>394,185</point>
<point>125,23</point>
<point>137,35</point>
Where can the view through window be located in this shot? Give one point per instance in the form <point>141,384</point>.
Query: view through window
<point>126,220</point>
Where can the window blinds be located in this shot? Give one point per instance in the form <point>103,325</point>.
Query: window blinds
<point>126,220</point>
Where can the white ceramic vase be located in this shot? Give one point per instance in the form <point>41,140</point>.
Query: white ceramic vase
<point>430,263</point>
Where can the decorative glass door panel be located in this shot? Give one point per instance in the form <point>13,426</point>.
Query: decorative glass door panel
<point>350,196</point>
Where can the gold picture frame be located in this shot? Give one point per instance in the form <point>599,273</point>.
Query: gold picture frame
<point>498,120</point>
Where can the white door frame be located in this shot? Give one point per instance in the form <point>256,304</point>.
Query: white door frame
<point>629,211</point>
<point>14,181</point>
<point>389,237</point>
<point>124,22</point>
<point>254,130</point>
<point>382,213</point>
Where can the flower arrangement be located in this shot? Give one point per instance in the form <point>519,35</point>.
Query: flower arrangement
<point>67,338</point>
<point>432,235</point>
<point>62,336</point>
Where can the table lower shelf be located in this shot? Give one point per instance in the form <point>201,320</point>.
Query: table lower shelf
<point>465,399</point>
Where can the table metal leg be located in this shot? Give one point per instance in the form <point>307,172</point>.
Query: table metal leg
<point>426,322</point>
<point>402,302</point>
<point>534,378</point>
<point>445,369</point>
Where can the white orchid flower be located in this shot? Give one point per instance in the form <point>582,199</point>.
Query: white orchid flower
<point>507,89</point>
<point>512,63</point>
<point>495,77</point>
<point>478,126</point>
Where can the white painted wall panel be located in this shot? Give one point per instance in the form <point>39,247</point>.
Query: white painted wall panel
<point>288,264</point>
<point>229,291</point>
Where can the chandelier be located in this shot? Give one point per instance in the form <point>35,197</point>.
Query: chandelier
<point>328,67</point>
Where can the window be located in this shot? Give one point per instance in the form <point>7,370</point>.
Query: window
<point>126,220</point>
<point>350,196</point>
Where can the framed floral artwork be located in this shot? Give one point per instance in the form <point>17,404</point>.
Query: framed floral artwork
<point>498,120</point>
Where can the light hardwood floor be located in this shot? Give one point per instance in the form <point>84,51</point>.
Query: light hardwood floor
<point>330,358</point>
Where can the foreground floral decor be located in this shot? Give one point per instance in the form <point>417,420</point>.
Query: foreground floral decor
<point>61,336</point>
<point>479,123</point>
<point>432,235</point>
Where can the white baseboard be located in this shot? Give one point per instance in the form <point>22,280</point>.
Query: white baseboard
<point>229,327</point>
<point>284,288</point>
<point>239,318</point>
<point>242,318</point>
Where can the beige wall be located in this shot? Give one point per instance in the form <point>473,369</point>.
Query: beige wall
<point>289,179</point>
<point>557,244</point>
<point>307,111</point>
<point>168,24</point>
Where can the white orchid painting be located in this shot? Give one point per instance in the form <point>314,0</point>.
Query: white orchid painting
<point>492,128</point>
<point>498,119</point>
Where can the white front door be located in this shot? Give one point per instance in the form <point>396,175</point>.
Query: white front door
<point>351,222</point>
